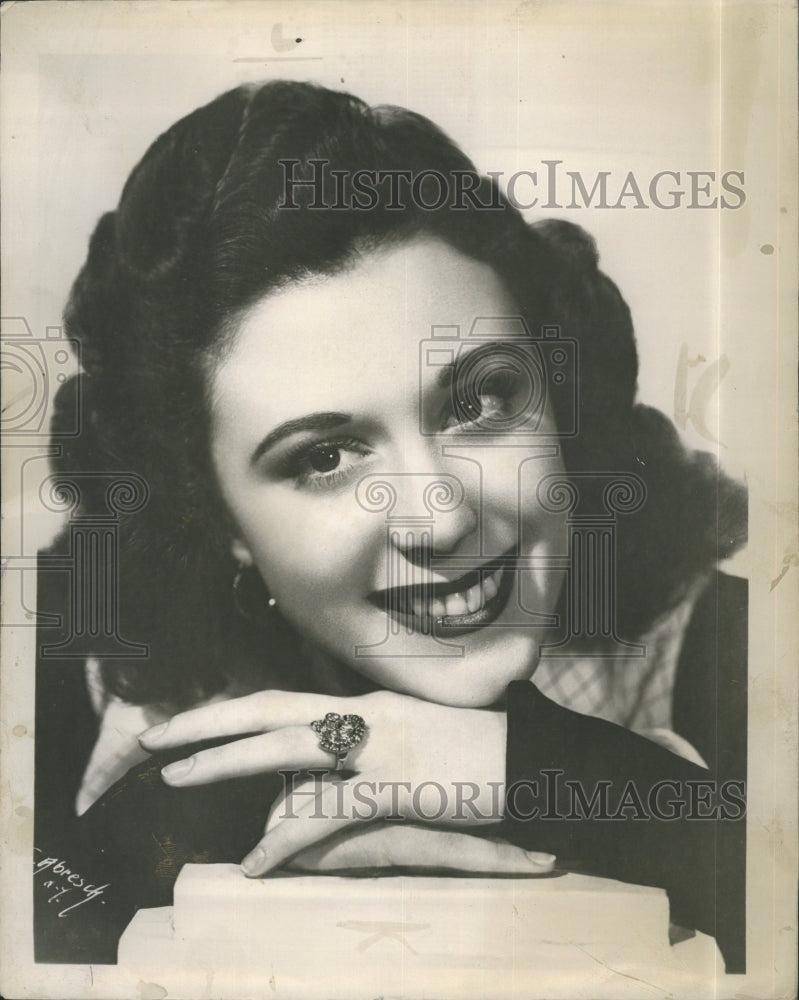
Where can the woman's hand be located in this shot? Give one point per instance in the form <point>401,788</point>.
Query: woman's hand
<point>418,761</point>
<point>386,845</point>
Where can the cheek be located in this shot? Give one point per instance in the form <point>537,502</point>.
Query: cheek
<point>312,547</point>
<point>511,477</point>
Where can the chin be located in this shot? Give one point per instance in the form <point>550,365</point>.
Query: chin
<point>476,679</point>
<point>465,665</point>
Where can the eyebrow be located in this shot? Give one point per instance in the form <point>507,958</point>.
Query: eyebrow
<point>448,373</point>
<point>311,422</point>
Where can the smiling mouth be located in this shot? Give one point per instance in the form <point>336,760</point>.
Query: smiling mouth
<point>472,601</point>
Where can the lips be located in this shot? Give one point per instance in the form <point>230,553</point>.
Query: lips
<point>456,607</point>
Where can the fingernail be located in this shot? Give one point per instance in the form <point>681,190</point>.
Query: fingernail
<point>540,859</point>
<point>154,732</point>
<point>254,862</point>
<point>178,770</point>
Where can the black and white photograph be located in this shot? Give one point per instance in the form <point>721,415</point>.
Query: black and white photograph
<point>399,444</point>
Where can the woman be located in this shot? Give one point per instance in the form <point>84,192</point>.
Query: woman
<point>359,387</point>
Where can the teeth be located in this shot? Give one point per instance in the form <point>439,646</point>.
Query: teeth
<point>456,605</point>
<point>474,598</point>
<point>437,608</point>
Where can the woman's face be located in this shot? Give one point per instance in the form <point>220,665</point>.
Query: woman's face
<point>332,387</point>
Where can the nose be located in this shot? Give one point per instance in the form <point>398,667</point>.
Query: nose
<point>451,520</point>
<point>431,509</point>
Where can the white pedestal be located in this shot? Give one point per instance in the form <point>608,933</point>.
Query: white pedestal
<point>416,938</point>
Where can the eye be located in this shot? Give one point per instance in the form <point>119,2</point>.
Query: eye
<point>324,457</point>
<point>324,464</point>
<point>485,400</point>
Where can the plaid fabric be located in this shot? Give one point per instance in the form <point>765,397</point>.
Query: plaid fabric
<point>632,692</point>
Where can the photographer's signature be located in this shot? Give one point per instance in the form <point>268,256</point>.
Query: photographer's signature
<point>68,886</point>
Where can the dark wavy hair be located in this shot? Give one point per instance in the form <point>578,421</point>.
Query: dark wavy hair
<point>197,237</point>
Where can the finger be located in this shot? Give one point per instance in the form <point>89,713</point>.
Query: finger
<point>292,747</point>
<point>300,791</point>
<point>428,847</point>
<point>337,806</point>
<point>383,845</point>
<point>254,713</point>
<point>300,827</point>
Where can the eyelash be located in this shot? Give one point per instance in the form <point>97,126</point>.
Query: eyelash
<point>296,463</point>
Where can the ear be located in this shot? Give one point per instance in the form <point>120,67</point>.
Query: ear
<point>240,552</point>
